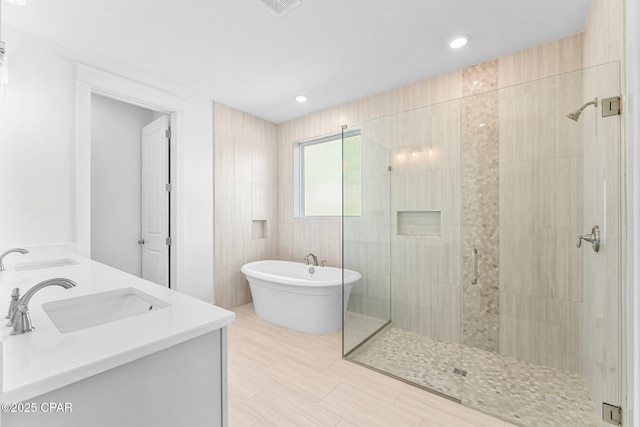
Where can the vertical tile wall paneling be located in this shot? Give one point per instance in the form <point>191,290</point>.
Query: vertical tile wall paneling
<point>480,206</point>
<point>545,60</point>
<point>541,207</point>
<point>245,150</point>
<point>366,238</point>
<point>425,271</point>
<point>299,236</point>
<point>309,231</point>
<point>604,32</point>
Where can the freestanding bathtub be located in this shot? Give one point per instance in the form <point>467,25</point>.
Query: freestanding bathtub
<point>299,296</point>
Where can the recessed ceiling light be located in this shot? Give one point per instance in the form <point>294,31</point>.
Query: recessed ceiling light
<point>17,2</point>
<point>459,41</point>
<point>301,97</point>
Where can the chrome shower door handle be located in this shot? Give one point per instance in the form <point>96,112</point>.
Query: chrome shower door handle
<point>474,266</point>
<point>593,238</point>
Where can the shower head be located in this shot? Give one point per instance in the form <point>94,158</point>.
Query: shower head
<point>576,114</point>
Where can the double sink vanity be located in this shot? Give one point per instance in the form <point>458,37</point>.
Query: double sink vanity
<point>112,350</point>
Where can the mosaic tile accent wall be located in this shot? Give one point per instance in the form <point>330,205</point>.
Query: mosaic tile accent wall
<point>480,206</point>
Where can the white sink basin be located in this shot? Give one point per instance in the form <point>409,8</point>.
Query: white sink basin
<point>44,264</point>
<point>74,314</point>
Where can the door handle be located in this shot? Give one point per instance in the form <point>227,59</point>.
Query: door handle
<point>474,266</point>
<point>141,242</point>
<point>593,238</point>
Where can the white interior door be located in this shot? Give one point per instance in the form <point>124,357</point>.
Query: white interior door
<point>155,202</point>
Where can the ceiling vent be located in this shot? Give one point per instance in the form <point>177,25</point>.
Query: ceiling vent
<point>280,7</point>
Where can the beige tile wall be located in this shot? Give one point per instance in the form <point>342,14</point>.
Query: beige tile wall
<point>297,237</point>
<point>604,32</point>
<point>367,237</point>
<point>319,235</point>
<point>541,209</point>
<point>245,190</point>
<point>425,271</point>
<point>546,60</point>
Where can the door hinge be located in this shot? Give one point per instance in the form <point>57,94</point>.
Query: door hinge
<point>168,241</point>
<point>611,106</point>
<point>612,414</point>
<point>167,133</point>
<point>458,371</point>
<point>389,168</point>
<point>167,187</point>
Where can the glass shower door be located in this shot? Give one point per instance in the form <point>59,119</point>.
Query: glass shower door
<point>365,235</point>
<point>540,315</point>
<point>409,236</point>
<point>602,206</point>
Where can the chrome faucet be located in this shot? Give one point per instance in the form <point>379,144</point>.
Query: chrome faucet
<point>22,251</point>
<point>13,306</point>
<point>315,259</point>
<point>19,317</point>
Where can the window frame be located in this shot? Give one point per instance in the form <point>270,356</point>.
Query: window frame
<point>298,170</point>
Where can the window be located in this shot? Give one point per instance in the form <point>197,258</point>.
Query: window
<point>319,167</point>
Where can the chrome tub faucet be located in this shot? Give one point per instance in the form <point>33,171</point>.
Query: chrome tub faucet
<point>315,259</point>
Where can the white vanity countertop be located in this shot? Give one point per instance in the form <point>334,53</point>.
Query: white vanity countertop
<point>45,359</point>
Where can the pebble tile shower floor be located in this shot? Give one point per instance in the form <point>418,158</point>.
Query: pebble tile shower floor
<point>523,393</point>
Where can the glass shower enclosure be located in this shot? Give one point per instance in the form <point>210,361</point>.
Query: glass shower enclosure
<point>473,283</point>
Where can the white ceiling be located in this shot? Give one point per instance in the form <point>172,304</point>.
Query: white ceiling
<point>238,53</point>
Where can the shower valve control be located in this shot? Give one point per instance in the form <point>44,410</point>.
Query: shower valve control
<point>593,238</point>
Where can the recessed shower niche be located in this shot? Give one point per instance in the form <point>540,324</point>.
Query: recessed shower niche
<point>419,223</point>
<point>259,229</point>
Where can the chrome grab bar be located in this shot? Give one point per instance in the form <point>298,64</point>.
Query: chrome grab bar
<point>474,266</point>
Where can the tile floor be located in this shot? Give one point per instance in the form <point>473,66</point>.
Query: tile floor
<point>279,377</point>
<point>522,392</point>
